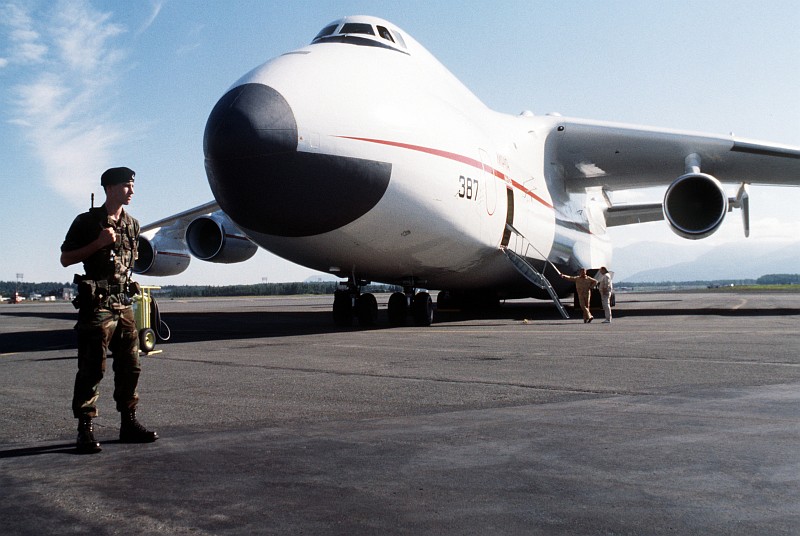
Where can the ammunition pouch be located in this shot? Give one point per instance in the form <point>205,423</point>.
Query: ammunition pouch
<point>92,293</point>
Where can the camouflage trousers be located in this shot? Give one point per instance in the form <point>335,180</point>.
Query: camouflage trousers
<point>100,330</point>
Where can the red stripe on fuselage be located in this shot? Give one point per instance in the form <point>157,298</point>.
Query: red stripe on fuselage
<point>458,158</point>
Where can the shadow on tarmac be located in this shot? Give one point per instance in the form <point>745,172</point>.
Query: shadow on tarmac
<point>189,327</point>
<point>62,448</point>
<point>37,341</point>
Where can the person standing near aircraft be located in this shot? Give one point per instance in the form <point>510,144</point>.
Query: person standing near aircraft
<point>583,287</point>
<point>105,240</point>
<point>606,286</point>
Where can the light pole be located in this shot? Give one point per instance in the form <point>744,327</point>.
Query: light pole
<point>20,277</point>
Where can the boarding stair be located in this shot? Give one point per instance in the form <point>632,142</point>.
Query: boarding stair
<point>523,245</point>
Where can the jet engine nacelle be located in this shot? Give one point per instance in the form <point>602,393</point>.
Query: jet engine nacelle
<point>216,238</point>
<point>161,255</point>
<point>695,205</point>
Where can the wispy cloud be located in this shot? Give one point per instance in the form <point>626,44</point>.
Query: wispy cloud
<point>151,19</point>
<point>196,34</point>
<point>66,64</point>
<point>25,43</point>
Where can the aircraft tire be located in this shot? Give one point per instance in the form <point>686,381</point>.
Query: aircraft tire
<point>397,309</point>
<point>342,309</point>
<point>422,309</point>
<point>367,310</point>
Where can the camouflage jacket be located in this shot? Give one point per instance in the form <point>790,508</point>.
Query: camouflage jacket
<point>111,263</point>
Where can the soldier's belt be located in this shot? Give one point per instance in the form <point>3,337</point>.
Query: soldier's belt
<point>104,287</point>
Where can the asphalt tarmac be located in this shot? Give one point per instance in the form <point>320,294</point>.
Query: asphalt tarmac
<point>680,417</point>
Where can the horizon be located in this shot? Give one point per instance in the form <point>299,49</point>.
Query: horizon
<point>741,281</point>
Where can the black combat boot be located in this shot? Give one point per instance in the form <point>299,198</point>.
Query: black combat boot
<point>131,431</point>
<point>86,443</point>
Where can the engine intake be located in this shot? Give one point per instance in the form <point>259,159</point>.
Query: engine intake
<point>160,255</point>
<point>695,205</point>
<point>216,238</point>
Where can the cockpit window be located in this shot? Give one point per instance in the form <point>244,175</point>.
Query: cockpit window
<point>400,40</point>
<point>326,31</point>
<point>383,32</point>
<point>357,28</point>
<point>362,34</point>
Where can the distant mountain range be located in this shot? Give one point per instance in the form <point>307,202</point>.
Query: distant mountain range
<point>746,259</point>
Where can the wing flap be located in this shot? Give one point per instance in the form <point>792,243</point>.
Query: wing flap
<point>630,214</point>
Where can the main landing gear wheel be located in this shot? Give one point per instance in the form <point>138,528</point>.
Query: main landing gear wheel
<point>398,309</point>
<point>422,309</point>
<point>342,308</point>
<point>367,310</point>
<point>349,303</point>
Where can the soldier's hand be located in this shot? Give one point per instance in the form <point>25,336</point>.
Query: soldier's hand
<point>107,236</point>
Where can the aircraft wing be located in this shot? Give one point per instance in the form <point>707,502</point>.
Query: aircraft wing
<point>178,222</point>
<point>167,245</point>
<point>618,157</point>
<point>691,166</point>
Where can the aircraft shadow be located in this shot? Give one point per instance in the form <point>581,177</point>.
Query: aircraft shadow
<point>37,341</point>
<point>206,326</point>
<point>72,315</point>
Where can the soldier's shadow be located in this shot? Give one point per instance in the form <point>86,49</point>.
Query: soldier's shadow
<point>61,448</point>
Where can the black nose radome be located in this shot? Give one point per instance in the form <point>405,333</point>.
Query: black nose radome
<point>249,121</point>
<point>264,184</point>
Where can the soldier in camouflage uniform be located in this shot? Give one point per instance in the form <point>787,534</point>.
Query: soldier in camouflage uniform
<point>105,239</point>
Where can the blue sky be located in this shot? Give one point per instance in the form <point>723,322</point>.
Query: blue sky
<point>87,85</point>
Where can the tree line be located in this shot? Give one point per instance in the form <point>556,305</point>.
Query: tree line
<point>779,279</point>
<point>7,288</point>
<point>770,279</point>
<point>263,289</point>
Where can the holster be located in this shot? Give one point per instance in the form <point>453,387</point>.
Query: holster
<point>90,292</point>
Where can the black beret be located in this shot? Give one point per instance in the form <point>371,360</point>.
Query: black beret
<point>117,175</point>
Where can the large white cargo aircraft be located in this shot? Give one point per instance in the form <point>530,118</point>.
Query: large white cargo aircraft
<point>362,156</point>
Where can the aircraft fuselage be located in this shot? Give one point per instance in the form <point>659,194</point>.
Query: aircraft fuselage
<point>374,162</point>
